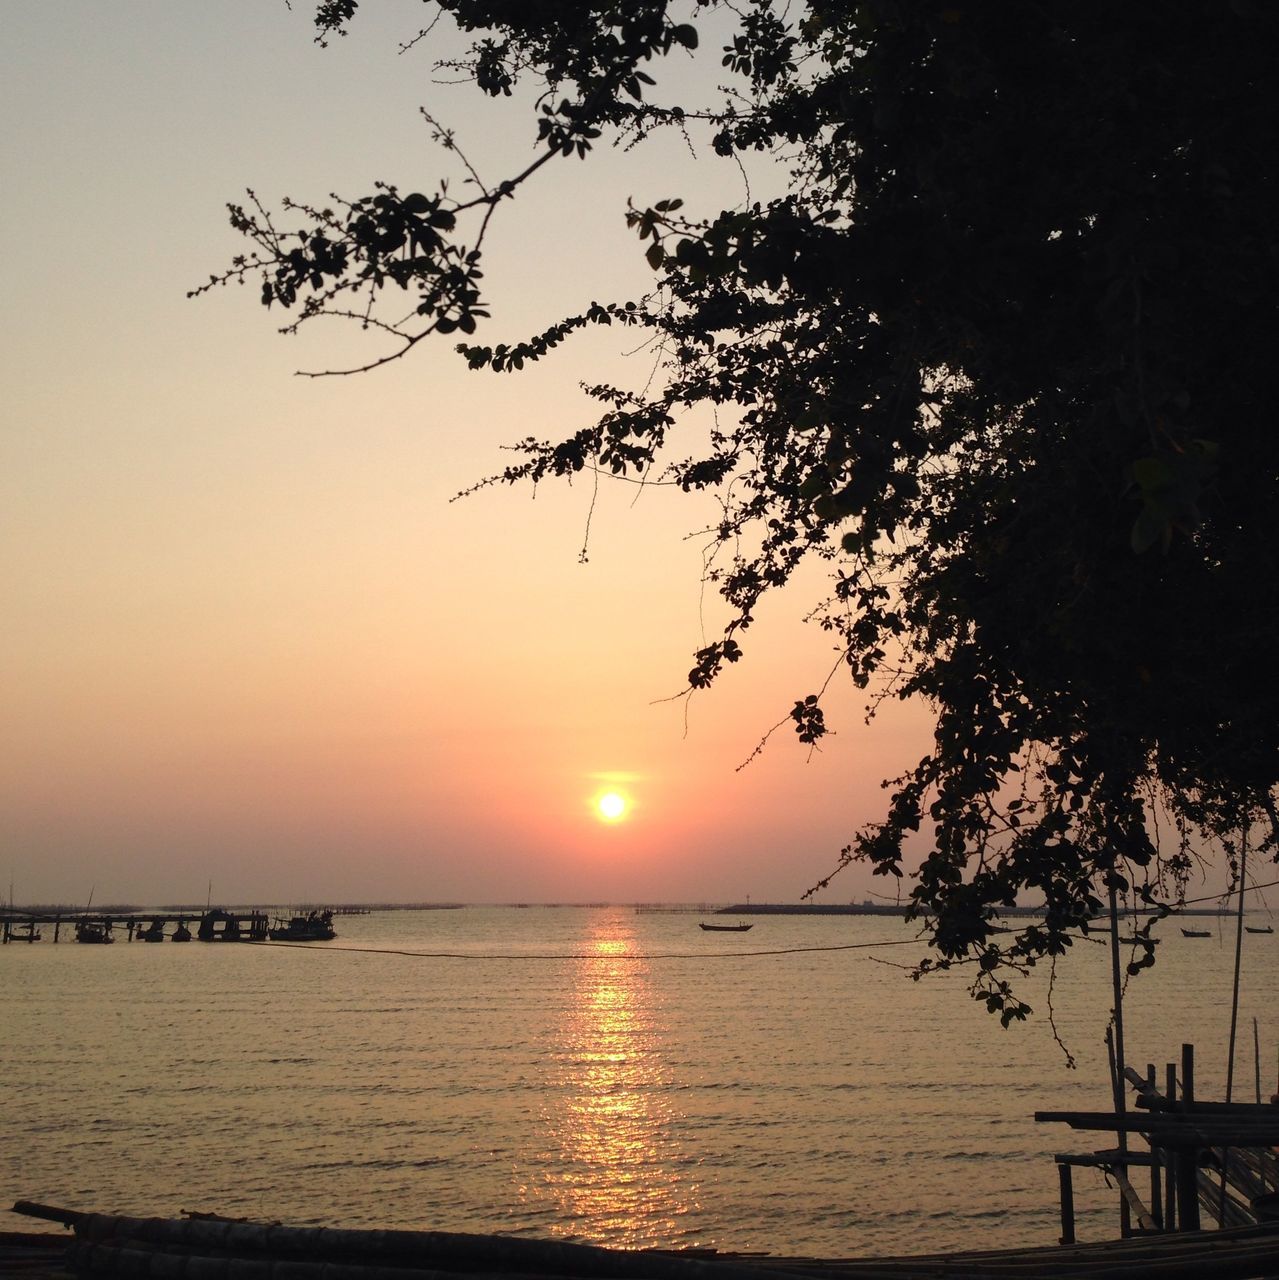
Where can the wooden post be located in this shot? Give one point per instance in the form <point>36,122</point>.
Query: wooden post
<point>1067,1204</point>
<point>1169,1158</point>
<point>1256,1056</point>
<point>57,925</point>
<point>1187,1158</point>
<point>1156,1188</point>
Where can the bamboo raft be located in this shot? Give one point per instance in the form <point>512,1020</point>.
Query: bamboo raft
<point>211,1248</point>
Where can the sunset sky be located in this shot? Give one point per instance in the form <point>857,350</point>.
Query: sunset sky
<point>247,637</point>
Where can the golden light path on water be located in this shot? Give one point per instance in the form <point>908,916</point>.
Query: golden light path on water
<point>590,1073</point>
<point>614,1169</point>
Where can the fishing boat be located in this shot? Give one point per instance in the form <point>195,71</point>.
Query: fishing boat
<point>315,926</point>
<point>181,933</point>
<point>1196,933</point>
<point>1258,928</point>
<point>154,932</point>
<point>724,928</point>
<point>93,931</point>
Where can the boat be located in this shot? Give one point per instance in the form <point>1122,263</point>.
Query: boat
<point>181,933</point>
<point>724,928</point>
<point>154,932</point>
<point>315,926</point>
<point>1196,933</point>
<point>1258,928</point>
<point>93,931</point>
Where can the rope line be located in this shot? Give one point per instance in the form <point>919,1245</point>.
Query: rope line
<point>584,955</point>
<point>512,956</point>
<point>1225,893</point>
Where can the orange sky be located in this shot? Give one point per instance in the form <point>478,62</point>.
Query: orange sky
<point>247,636</point>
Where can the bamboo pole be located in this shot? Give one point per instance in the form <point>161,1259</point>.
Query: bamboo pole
<point>1121,1140</point>
<point>1170,1182</point>
<point>1145,1219</point>
<point>1234,1012</point>
<point>1115,1044</point>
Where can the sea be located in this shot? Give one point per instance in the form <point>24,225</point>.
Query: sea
<point>596,1074</point>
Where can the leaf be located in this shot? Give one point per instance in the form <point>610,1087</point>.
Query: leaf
<point>1149,527</point>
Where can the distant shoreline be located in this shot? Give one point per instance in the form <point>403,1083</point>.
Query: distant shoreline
<point>893,909</point>
<point>655,908</point>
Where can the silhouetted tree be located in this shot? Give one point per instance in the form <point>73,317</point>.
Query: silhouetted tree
<point>1002,354</point>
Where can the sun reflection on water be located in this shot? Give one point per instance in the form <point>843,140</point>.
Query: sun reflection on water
<point>615,1169</point>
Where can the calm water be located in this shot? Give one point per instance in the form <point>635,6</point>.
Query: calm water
<point>625,1079</point>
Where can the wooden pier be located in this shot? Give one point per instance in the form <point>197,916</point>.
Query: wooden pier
<point>1204,1159</point>
<point>212,925</point>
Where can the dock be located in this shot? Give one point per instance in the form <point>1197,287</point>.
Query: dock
<point>1204,1160</point>
<point>214,924</point>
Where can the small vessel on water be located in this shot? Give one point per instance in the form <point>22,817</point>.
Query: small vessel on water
<point>724,928</point>
<point>315,926</point>
<point>1196,933</point>
<point>89,930</point>
<point>1258,928</point>
<point>154,932</point>
<point>181,933</point>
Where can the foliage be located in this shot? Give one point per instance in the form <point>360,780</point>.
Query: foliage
<point>1000,354</point>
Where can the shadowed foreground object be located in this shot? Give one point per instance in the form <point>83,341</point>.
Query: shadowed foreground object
<point>205,1248</point>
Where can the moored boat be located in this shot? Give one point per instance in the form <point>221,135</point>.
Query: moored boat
<point>93,931</point>
<point>724,928</point>
<point>1196,933</point>
<point>315,926</point>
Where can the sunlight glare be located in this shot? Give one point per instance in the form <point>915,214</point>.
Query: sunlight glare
<point>611,806</point>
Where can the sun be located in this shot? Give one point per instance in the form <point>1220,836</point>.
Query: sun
<point>611,806</point>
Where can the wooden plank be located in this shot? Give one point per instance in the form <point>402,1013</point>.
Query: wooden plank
<point>1107,1159</point>
<point>1172,1127</point>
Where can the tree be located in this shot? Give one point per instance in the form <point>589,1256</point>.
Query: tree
<point>1001,355</point>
